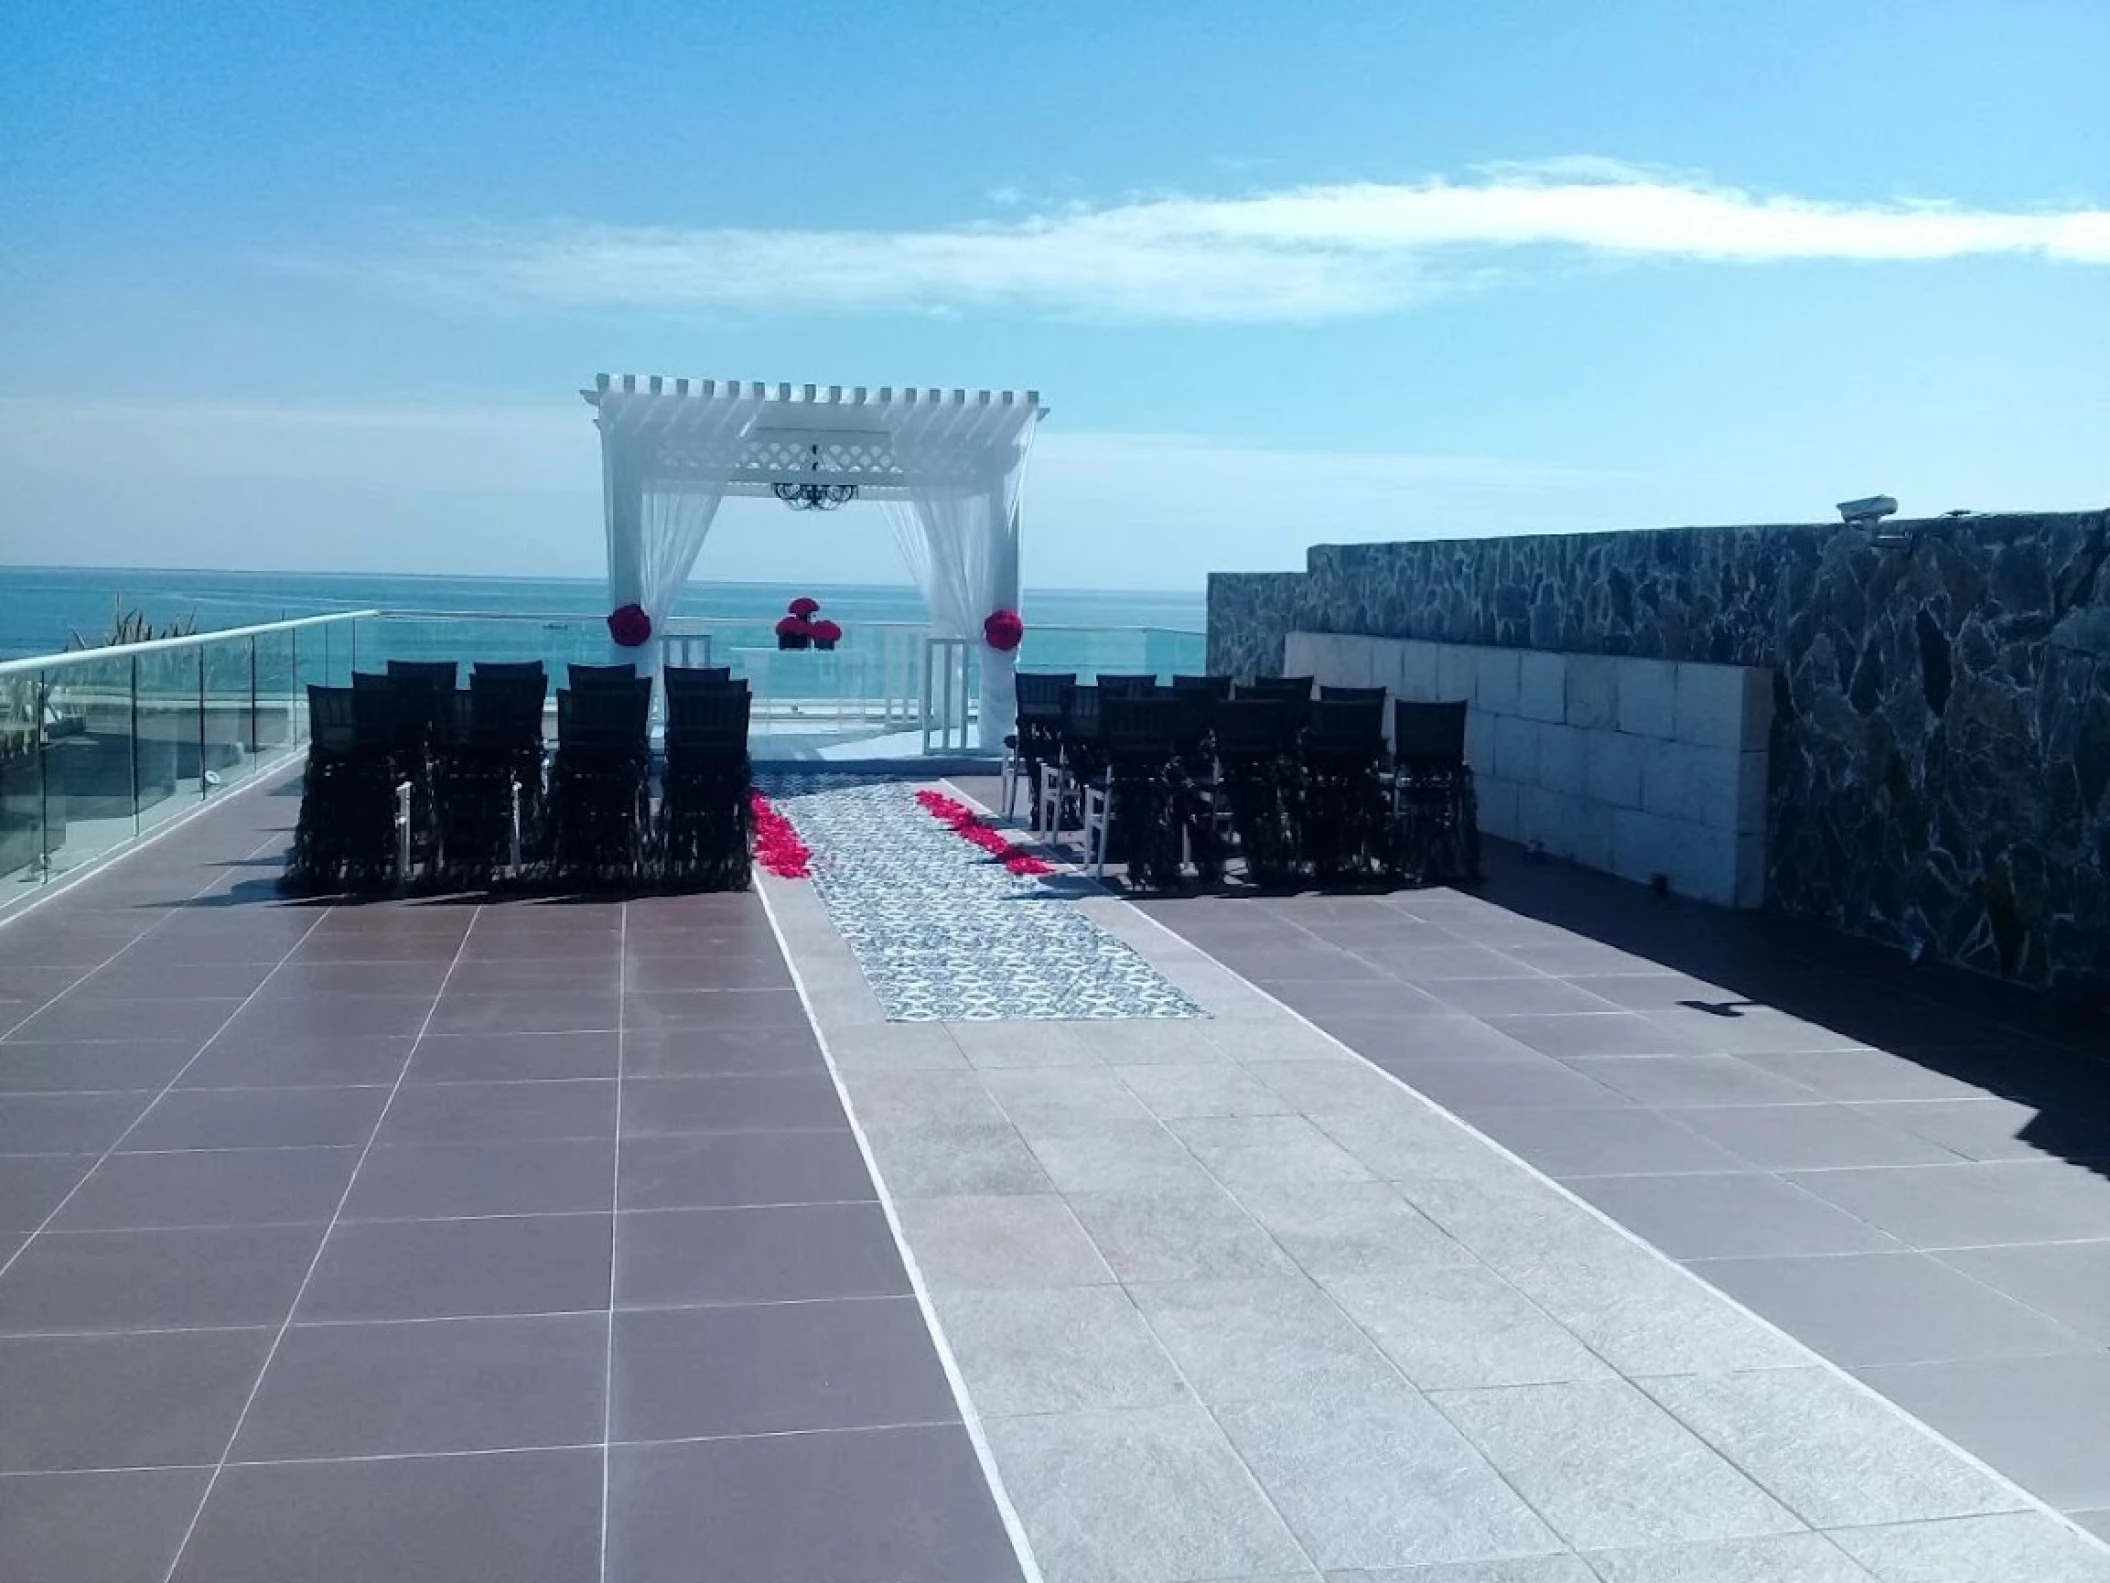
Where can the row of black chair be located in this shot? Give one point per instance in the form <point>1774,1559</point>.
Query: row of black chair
<point>1304,787</point>
<point>414,782</point>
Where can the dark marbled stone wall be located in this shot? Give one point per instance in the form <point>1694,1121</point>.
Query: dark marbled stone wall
<point>1941,751</point>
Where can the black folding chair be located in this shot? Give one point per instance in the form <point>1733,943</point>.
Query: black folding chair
<point>1256,776</point>
<point>585,678</point>
<point>693,679</point>
<point>1341,824</point>
<point>500,668</point>
<point>1292,691</point>
<point>1210,686</point>
<point>1034,747</point>
<point>1435,814</point>
<point>1353,695</point>
<point>1135,787</point>
<point>1127,686</point>
<point>487,779</point>
<point>352,833</point>
<point>705,830</point>
<point>600,797</point>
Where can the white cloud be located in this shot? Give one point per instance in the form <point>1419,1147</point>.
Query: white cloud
<point>1300,254</point>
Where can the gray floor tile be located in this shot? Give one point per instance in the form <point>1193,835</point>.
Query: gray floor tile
<point>161,1399</point>
<point>1397,1043</point>
<point>1526,1082</point>
<point>1062,1099</point>
<point>704,1052</point>
<point>1151,1042</point>
<point>1678,1080</point>
<point>2037,1420</point>
<point>1330,1088</point>
<point>2002,1549</point>
<point>432,1181</point>
<point>295,1017</point>
<point>1604,1142</point>
<point>1998,1129</point>
<point>683,1373</point>
<point>1811,1137</point>
<point>679,1257</point>
<point>259,1119</point>
<point>1856,1075</point>
<point>145,1280</point>
<point>1404,1141</point>
<point>1005,1241</point>
<point>1462,1326</point>
<point>1267,1151</point>
<point>1379,1478</point>
<point>1056,1351</point>
<point>1152,1496</point>
<point>500,1112</point>
<point>740,1102</point>
<point>938,1161</point>
<point>79,1068</point>
<point>999,1045</point>
<point>1118,1157</point>
<point>1752,1030</point>
<point>512,1057</point>
<point>432,1269</point>
<point>1350,1228</point>
<point>529,1011</point>
<point>128,1020</point>
<point>1828,1451</point>
<point>220,1187</point>
<point>428,1386</point>
<point>527,1517</point>
<point>1746,1214</point>
<point>1176,1235</point>
<point>32,1186</point>
<point>1243,1341</point>
<point>1609,1469</point>
<point>96,1527</point>
<point>918,1099</point>
<point>2067,1281</point>
<point>1563,1568</point>
<point>896,1047</point>
<point>712,1009</point>
<point>1784,1558</point>
<point>350,1060</point>
<point>1644,1315</point>
<point>1211,1088</point>
<point>737,1168</point>
<point>1868,1308</point>
<point>66,1123</point>
<point>2096,1522</point>
<point>1515,997</point>
<point>902,1503</point>
<point>1961,1206</point>
<point>1605,1032</point>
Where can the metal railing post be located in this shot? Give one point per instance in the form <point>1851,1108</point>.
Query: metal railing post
<point>135,744</point>
<point>204,786</point>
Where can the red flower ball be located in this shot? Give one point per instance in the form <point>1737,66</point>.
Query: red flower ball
<point>1003,631</point>
<point>794,627</point>
<point>825,631</point>
<point>630,626</point>
<point>804,607</point>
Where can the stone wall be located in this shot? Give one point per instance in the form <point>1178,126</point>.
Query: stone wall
<point>1940,765</point>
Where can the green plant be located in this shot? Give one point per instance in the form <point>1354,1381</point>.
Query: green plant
<point>133,626</point>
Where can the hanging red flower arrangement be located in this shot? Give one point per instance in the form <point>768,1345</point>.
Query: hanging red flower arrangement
<point>825,633</point>
<point>1003,631</point>
<point>804,607</point>
<point>777,845</point>
<point>794,632</point>
<point>630,626</point>
<point>972,827</point>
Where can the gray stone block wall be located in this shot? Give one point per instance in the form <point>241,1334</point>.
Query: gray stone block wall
<point>1940,764</point>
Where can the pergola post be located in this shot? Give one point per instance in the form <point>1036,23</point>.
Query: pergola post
<point>999,689</point>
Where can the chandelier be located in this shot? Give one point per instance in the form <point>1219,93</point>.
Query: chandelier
<point>815,496</point>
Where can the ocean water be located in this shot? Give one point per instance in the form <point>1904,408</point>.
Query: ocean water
<point>556,620</point>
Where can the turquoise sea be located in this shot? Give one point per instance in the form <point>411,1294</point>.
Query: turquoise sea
<point>42,608</point>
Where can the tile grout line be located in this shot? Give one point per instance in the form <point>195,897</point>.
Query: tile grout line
<point>321,1247</point>
<point>615,1221</point>
<point>166,1089</point>
<point>977,1435</point>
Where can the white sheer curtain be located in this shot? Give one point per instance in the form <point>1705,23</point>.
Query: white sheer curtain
<point>962,547</point>
<point>655,533</point>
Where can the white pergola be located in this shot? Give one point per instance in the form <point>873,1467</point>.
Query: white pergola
<point>945,466</point>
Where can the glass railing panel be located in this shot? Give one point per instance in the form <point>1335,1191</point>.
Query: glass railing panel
<point>93,761</point>
<point>173,746</point>
<point>23,757</point>
<point>228,754</point>
<point>281,707</point>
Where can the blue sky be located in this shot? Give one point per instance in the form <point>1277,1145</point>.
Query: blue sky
<point>314,286</point>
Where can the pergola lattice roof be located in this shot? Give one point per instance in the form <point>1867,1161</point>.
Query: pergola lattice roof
<point>751,436</point>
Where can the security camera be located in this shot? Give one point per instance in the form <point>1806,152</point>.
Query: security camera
<point>1873,509</point>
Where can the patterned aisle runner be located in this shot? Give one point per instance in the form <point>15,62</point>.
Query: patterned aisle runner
<point>942,931</point>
